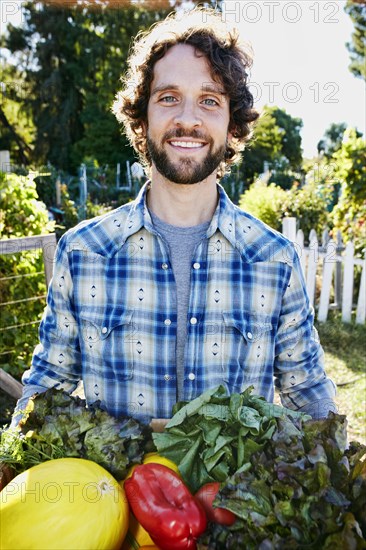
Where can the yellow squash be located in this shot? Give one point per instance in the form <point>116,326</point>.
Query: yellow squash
<point>136,536</point>
<point>63,504</point>
<point>155,458</point>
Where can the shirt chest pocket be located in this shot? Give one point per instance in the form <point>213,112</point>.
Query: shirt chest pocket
<point>246,348</point>
<point>107,341</point>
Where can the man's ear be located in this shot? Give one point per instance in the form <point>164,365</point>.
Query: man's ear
<point>143,128</point>
<point>229,138</point>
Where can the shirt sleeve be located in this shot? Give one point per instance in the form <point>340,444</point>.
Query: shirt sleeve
<point>299,358</point>
<point>56,360</point>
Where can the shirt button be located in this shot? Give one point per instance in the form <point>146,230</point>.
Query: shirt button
<point>193,321</point>
<point>104,330</point>
<point>167,322</point>
<point>196,265</point>
<point>249,335</point>
<point>164,266</point>
<point>191,376</point>
<point>167,377</point>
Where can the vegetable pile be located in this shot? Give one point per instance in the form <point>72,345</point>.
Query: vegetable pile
<point>290,481</point>
<point>57,425</point>
<point>259,475</point>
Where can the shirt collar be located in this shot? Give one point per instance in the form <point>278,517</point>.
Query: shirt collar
<point>222,219</point>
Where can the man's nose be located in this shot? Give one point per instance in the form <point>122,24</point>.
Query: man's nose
<point>188,115</point>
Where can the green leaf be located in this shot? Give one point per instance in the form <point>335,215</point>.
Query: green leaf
<point>250,418</point>
<point>194,406</point>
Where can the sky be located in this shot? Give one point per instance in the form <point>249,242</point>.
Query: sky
<point>300,60</point>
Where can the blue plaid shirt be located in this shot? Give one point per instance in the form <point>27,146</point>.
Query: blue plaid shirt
<point>111,316</point>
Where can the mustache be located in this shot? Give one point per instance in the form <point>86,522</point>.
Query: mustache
<point>181,132</point>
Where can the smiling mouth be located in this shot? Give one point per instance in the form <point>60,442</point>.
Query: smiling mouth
<point>192,145</point>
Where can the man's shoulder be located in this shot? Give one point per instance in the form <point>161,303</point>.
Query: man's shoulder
<point>257,241</point>
<point>102,234</point>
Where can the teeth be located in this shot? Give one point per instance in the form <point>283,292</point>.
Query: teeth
<point>187,144</point>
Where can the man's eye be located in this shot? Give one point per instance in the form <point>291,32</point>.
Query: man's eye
<point>210,102</point>
<point>168,99</point>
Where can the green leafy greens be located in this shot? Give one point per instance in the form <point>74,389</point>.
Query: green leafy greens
<point>58,425</point>
<point>290,480</point>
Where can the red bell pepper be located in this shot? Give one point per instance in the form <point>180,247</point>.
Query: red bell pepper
<point>164,506</point>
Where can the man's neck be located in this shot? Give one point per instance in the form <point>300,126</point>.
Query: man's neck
<point>183,205</point>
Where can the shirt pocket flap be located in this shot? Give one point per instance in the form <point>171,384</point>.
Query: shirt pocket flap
<point>251,326</point>
<point>104,322</point>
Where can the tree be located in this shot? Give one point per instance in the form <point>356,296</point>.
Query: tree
<point>16,127</point>
<point>332,139</point>
<point>277,140</point>
<point>265,146</point>
<point>356,9</point>
<point>290,129</point>
<point>72,55</point>
<point>349,215</point>
<point>54,77</point>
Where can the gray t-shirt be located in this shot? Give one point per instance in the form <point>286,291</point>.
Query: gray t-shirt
<point>182,242</point>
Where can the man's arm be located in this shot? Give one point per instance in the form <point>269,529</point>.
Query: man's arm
<point>56,359</point>
<point>299,363</point>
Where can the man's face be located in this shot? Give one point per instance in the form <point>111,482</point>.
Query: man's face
<point>188,117</point>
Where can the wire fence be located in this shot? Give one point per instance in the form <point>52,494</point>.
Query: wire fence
<point>23,298</point>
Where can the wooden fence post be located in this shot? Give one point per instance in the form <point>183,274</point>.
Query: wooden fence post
<point>338,272</point>
<point>313,258</point>
<point>328,266</point>
<point>361,303</point>
<point>300,239</point>
<point>347,296</point>
<point>289,228</point>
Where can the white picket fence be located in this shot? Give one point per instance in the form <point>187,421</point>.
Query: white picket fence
<point>333,265</point>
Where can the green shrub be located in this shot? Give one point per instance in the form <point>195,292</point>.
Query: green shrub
<point>265,202</point>
<point>270,203</point>
<point>22,273</point>
<point>309,205</point>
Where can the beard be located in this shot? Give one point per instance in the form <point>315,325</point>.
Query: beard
<point>186,171</point>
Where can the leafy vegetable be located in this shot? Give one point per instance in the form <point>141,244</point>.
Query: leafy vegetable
<point>214,435</point>
<point>291,481</point>
<point>57,425</point>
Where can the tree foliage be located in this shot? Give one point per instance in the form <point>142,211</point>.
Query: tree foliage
<point>72,55</point>
<point>290,129</point>
<point>332,139</point>
<point>72,73</point>
<point>276,140</point>
<point>349,215</point>
<point>356,9</point>
<point>17,128</point>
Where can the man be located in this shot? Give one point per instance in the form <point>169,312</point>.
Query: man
<point>179,290</point>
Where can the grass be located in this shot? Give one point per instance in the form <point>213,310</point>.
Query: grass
<point>344,345</point>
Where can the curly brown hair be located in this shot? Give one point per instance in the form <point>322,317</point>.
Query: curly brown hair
<point>229,59</point>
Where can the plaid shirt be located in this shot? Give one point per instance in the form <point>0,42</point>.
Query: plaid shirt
<point>111,316</point>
